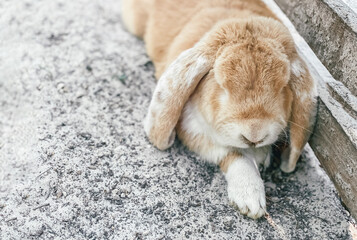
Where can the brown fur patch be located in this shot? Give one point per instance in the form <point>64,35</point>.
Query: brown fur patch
<point>228,160</point>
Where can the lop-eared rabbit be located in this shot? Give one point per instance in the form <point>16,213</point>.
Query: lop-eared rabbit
<point>230,84</point>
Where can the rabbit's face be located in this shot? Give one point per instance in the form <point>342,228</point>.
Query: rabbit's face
<point>254,107</point>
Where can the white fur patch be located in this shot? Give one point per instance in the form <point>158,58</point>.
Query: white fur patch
<point>246,188</point>
<point>307,96</point>
<point>297,68</point>
<point>224,98</point>
<point>186,67</point>
<point>198,66</point>
<point>148,122</point>
<point>258,155</point>
<point>214,154</point>
<point>303,96</point>
<point>194,124</point>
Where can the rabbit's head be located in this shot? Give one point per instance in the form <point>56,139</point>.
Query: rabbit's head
<point>254,85</point>
<point>254,105</point>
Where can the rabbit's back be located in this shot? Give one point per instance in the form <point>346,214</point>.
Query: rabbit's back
<point>170,27</point>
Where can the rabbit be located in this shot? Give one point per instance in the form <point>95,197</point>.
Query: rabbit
<point>230,84</point>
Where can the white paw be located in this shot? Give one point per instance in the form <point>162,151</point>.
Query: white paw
<point>246,191</point>
<point>250,199</point>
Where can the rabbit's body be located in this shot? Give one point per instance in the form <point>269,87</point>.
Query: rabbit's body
<point>230,82</point>
<point>170,27</point>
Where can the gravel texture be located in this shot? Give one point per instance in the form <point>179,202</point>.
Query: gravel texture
<point>74,159</point>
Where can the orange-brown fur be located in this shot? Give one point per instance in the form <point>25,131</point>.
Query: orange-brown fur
<point>228,160</point>
<point>266,88</point>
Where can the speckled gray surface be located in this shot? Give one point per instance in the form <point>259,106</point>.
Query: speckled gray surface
<point>75,162</point>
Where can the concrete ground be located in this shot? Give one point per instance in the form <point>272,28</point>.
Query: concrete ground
<point>75,162</point>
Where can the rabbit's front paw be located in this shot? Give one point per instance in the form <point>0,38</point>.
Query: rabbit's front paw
<point>249,198</point>
<point>246,191</point>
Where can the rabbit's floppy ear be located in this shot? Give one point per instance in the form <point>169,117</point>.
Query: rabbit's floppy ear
<point>303,113</point>
<point>174,88</point>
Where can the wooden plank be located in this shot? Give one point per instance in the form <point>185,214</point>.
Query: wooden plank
<point>330,29</point>
<point>337,154</point>
<point>335,136</point>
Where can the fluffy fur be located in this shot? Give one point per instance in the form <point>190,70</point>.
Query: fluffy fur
<point>230,83</point>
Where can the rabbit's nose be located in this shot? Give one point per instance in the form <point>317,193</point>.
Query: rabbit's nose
<point>251,142</point>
